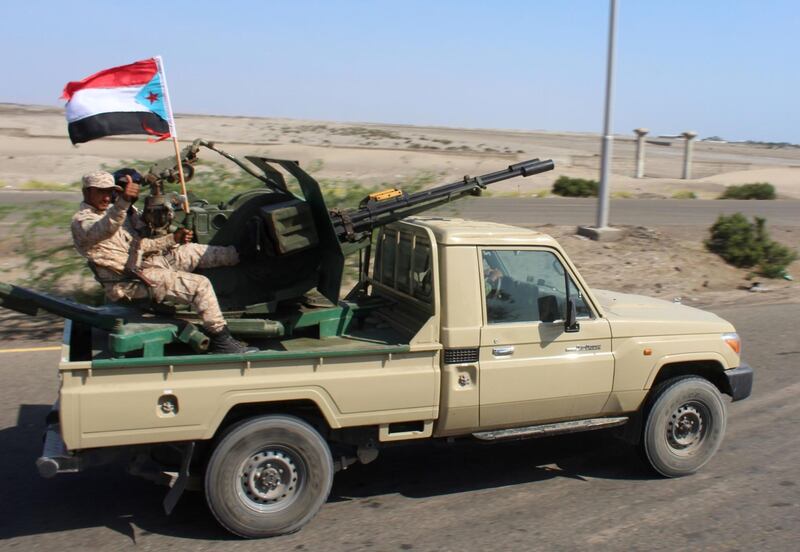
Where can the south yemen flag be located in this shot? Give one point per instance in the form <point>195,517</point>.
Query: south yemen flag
<point>130,99</point>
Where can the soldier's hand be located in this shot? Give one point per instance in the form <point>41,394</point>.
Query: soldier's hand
<point>183,235</point>
<point>493,275</point>
<point>130,192</point>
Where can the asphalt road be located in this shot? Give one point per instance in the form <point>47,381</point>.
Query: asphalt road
<point>638,212</point>
<point>576,492</point>
<point>579,211</point>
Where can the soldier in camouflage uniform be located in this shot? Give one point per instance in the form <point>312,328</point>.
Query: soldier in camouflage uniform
<point>109,235</point>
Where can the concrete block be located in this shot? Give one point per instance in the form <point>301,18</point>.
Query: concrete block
<point>605,234</point>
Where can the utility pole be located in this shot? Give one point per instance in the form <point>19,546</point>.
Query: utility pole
<point>601,231</point>
<point>640,134</point>
<point>689,135</point>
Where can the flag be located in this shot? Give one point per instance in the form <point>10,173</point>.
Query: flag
<point>130,99</point>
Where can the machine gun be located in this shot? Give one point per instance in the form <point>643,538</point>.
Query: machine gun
<point>382,208</point>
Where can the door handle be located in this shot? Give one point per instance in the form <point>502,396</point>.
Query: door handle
<point>502,351</point>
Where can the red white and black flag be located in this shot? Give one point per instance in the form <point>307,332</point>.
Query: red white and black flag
<point>130,99</point>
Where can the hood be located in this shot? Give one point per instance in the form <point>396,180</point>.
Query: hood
<point>637,315</point>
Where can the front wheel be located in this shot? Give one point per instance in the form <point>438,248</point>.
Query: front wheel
<point>268,476</point>
<point>684,426</point>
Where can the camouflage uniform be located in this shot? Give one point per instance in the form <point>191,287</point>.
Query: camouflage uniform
<point>111,239</point>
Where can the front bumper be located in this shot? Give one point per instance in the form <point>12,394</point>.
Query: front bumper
<point>740,381</point>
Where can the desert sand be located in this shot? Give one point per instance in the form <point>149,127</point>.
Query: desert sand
<point>34,146</point>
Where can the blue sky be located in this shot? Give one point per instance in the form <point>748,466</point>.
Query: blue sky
<point>728,68</point>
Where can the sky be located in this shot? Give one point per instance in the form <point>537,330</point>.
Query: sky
<point>720,67</point>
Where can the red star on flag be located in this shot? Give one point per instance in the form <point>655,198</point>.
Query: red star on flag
<point>152,97</point>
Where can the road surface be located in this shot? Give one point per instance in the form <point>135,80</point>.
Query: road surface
<point>533,211</point>
<point>576,492</point>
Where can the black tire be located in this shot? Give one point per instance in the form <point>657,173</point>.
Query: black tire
<point>684,426</point>
<point>268,476</point>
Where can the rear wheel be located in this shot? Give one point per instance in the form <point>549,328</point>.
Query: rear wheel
<point>684,427</point>
<point>268,476</point>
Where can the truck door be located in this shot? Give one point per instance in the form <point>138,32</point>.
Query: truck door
<point>531,369</point>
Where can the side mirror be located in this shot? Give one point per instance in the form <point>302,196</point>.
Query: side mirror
<point>571,323</point>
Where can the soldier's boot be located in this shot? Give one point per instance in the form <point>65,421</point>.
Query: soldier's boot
<point>223,343</point>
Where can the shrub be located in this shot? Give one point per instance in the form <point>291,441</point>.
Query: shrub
<point>575,187</point>
<point>684,194</point>
<point>745,244</point>
<point>734,239</point>
<point>755,190</point>
<point>775,259</point>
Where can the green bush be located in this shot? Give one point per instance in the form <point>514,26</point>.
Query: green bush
<point>575,187</point>
<point>775,259</point>
<point>755,190</point>
<point>734,239</point>
<point>684,194</point>
<point>745,244</point>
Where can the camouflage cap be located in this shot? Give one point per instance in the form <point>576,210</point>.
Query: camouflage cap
<point>99,179</point>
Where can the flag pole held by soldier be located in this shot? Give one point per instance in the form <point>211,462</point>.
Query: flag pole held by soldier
<point>134,99</point>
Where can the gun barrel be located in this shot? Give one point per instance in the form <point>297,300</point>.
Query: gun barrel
<point>379,213</point>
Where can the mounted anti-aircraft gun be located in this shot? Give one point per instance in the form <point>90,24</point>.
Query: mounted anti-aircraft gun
<point>296,243</point>
<point>300,242</point>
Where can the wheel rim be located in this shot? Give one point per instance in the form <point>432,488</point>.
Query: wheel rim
<point>687,427</point>
<point>270,479</point>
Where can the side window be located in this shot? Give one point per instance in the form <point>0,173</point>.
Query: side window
<point>526,286</point>
<point>404,262</point>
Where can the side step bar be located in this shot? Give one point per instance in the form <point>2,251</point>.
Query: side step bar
<point>544,430</point>
<point>55,459</point>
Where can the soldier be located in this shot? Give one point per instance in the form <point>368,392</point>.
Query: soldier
<point>129,266</point>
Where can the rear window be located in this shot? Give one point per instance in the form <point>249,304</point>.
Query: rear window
<point>403,262</point>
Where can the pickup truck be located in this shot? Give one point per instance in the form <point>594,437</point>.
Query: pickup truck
<point>457,329</point>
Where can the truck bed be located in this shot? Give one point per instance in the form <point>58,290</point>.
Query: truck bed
<point>366,375</point>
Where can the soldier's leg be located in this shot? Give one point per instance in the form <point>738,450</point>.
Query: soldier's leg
<point>189,289</point>
<point>191,256</point>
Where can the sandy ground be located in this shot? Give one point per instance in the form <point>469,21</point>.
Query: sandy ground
<point>34,146</point>
<point>662,262</point>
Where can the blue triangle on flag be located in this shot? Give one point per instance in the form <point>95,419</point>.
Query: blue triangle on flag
<point>152,97</point>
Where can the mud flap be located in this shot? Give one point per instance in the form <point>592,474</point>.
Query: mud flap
<point>174,494</point>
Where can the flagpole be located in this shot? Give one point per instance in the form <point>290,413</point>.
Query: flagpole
<point>172,131</point>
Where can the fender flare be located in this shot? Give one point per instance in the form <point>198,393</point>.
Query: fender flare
<point>316,395</point>
<point>684,357</point>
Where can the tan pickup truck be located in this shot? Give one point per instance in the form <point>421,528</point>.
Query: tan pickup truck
<point>460,329</point>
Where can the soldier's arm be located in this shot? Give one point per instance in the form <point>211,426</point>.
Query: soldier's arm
<point>93,229</point>
<point>151,245</point>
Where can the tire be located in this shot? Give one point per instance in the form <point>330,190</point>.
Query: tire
<point>684,426</point>
<point>268,476</point>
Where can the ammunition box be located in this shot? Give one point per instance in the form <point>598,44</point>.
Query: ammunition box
<point>290,225</point>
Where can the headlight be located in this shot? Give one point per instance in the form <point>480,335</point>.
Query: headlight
<point>733,341</point>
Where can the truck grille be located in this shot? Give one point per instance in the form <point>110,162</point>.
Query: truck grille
<point>460,356</point>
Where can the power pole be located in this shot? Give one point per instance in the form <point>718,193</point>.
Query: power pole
<point>601,231</point>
